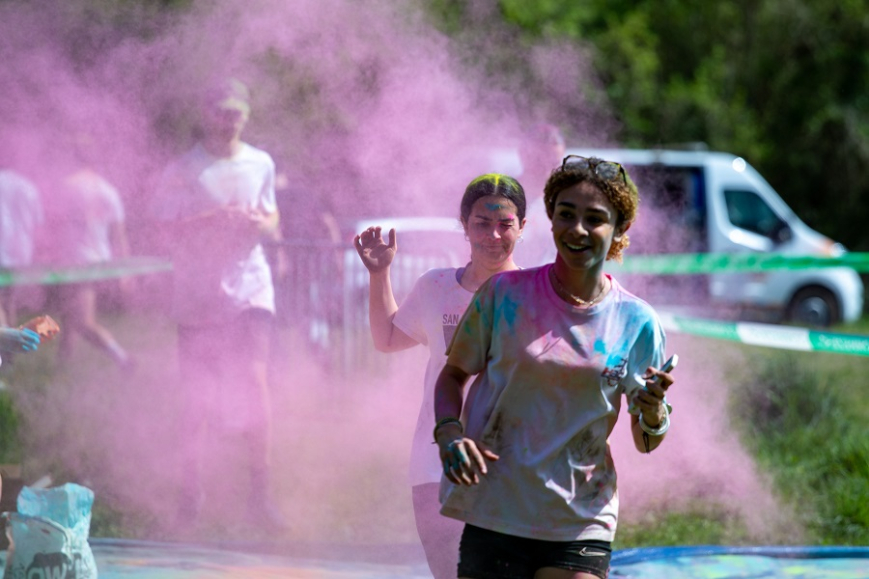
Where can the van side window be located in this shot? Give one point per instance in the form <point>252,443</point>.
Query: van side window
<point>748,211</point>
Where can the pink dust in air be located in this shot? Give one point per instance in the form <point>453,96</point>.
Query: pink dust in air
<point>368,111</point>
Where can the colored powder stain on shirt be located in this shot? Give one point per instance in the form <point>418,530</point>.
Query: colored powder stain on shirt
<point>478,308</point>
<point>508,308</point>
<point>555,353</point>
<point>600,346</point>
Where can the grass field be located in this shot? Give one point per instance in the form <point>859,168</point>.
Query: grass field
<point>806,418</point>
<point>802,416</point>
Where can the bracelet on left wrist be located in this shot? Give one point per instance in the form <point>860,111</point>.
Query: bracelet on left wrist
<point>660,429</point>
<point>444,422</point>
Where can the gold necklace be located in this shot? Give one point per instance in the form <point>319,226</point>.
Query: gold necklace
<point>579,300</point>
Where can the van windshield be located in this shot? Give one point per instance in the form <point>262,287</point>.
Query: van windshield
<point>748,211</point>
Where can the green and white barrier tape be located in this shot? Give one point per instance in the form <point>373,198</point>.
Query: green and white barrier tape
<point>80,273</point>
<point>756,334</point>
<point>698,263</point>
<point>769,335</point>
<point>664,264</point>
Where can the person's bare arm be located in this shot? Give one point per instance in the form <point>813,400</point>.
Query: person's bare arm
<point>268,225</point>
<point>653,410</point>
<point>118,239</point>
<point>377,257</point>
<point>463,459</point>
<point>381,313</point>
<point>449,393</point>
<point>121,249</point>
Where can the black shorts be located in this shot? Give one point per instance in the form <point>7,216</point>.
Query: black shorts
<point>485,554</point>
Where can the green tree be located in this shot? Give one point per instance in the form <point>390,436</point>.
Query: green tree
<point>780,82</point>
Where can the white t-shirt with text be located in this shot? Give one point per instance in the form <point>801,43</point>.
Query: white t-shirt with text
<point>429,315</point>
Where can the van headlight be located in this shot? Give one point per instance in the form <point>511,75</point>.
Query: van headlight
<point>836,249</point>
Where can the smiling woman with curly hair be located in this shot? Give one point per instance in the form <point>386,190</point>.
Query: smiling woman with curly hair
<point>556,349</point>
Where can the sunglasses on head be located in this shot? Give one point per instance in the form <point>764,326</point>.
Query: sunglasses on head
<point>608,170</point>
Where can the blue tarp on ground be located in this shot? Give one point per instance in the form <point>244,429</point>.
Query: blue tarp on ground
<point>121,559</point>
<point>716,562</point>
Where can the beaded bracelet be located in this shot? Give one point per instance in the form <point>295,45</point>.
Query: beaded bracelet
<point>444,421</point>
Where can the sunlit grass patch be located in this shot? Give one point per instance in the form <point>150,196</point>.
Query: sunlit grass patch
<point>804,416</point>
<point>694,524</point>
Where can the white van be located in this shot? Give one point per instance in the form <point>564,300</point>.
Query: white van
<point>699,201</point>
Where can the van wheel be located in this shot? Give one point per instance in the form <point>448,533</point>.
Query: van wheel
<point>814,307</point>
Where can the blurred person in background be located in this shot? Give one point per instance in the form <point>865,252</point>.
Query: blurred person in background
<point>492,212</point>
<point>540,151</point>
<point>216,204</point>
<point>21,216</point>
<point>555,350</point>
<point>84,225</point>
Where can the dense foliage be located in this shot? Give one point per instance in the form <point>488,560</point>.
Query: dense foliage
<point>784,83</point>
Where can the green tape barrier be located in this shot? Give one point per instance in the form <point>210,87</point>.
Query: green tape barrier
<point>698,263</point>
<point>80,273</point>
<point>664,264</point>
<point>707,328</point>
<point>768,335</point>
<point>839,343</point>
<point>757,334</point>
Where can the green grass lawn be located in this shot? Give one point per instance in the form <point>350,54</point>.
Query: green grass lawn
<point>806,419</point>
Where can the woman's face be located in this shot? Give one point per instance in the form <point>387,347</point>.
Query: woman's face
<point>492,229</point>
<point>584,226</point>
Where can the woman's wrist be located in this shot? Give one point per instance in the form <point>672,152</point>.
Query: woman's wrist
<point>653,421</point>
<point>448,428</point>
<point>659,429</point>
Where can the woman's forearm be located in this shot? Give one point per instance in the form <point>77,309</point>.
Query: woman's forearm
<point>381,310</point>
<point>643,441</point>
<point>449,387</point>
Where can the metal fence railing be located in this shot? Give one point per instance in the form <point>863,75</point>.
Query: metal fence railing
<point>324,294</point>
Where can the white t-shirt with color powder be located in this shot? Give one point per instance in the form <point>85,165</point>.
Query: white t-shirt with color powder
<point>215,287</point>
<point>550,387</point>
<point>20,215</point>
<point>83,211</point>
<point>429,315</point>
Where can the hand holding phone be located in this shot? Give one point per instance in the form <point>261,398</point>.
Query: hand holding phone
<point>669,365</point>
<point>666,367</point>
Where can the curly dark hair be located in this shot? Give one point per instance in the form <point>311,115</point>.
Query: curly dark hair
<point>622,193</point>
<point>493,184</point>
